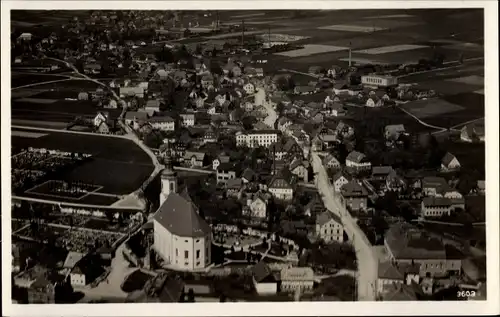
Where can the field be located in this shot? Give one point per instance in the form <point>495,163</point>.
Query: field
<point>431,107</point>
<point>310,49</point>
<point>18,79</point>
<point>118,165</point>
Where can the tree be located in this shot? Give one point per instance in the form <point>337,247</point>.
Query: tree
<point>280,108</point>
<point>248,122</point>
<point>190,296</point>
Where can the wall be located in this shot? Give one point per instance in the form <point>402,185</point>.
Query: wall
<point>266,288</point>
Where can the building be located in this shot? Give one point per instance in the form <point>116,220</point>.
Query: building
<point>25,37</point>
<point>234,186</point>
<point>297,278</point>
<point>222,158</point>
<point>436,207</point>
<point>249,88</point>
<point>405,244</point>
<point>354,195</point>
<point>330,161</point>
<point>181,237</point>
<point>41,291</point>
<point>164,123</point>
<point>379,81</point>
<point>248,175</point>
<point>392,132</point>
<point>188,119</point>
<point>329,227</point>
<point>258,206</point>
<point>340,179</point>
<point>282,185</point>
<point>195,159</point>
<point>449,163</point>
<point>300,167</point>
<point>135,119</point>
<point>473,132</point>
<point>304,90</point>
<point>434,186</point>
<point>225,172</point>
<point>284,123</point>
<point>357,161</point>
<point>253,139</point>
<point>152,107</point>
<point>132,92</point>
<point>264,281</point>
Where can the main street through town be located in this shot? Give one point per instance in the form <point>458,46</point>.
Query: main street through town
<point>366,259</point>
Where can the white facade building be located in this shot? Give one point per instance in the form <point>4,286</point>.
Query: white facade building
<point>253,139</point>
<point>379,81</point>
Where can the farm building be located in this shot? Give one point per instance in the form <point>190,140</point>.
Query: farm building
<point>83,96</point>
<point>25,37</point>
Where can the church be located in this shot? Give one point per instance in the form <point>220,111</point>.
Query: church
<point>182,238</point>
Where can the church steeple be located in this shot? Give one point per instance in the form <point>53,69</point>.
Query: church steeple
<point>168,176</point>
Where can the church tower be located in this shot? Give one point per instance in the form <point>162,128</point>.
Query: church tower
<point>168,178</point>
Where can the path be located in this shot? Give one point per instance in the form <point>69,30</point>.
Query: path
<point>300,73</point>
<point>459,125</point>
<point>44,83</point>
<point>366,260</point>
<point>272,116</point>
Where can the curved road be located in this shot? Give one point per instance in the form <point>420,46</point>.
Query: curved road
<point>366,259</point>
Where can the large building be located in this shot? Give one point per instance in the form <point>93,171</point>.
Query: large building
<point>406,244</point>
<point>253,139</point>
<point>379,81</point>
<point>181,237</point>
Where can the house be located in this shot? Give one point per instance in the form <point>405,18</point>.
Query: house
<point>258,206</point>
<point>132,92</point>
<point>434,186</point>
<point>207,81</point>
<point>100,117</point>
<point>282,185</point>
<point>264,281</point>
<point>161,289</point>
<point>248,175</point>
<point>300,167</point>
<point>357,161</point>
<point>337,109</point>
<point>25,37</point>
<point>195,159</point>
<point>234,186</point>
<point>210,136</point>
<point>152,107</point>
<point>391,275</point>
<point>249,88</point>
<point>254,138</point>
<point>344,130</point>
<point>373,102</point>
<point>83,96</point>
<point>222,158</point>
<point>435,207</point>
<point>380,173</point>
<point>135,118</point>
<point>225,171</point>
<point>473,132</point>
<point>392,132</point>
<point>92,68</point>
<point>403,292</point>
<point>329,227</point>
<point>330,161</point>
<point>284,123</point>
<point>304,90</point>
<point>449,163</point>
<point>41,291</point>
<point>354,196</point>
<point>316,116</point>
<point>164,123</point>
<point>394,182</point>
<point>188,119</point>
<point>340,179</point>
<point>295,278</point>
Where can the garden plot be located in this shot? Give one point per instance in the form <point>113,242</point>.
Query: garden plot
<point>311,49</point>
<point>469,80</point>
<point>431,107</point>
<point>390,49</point>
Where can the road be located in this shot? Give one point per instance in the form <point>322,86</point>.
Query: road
<point>272,116</point>
<point>366,259</point>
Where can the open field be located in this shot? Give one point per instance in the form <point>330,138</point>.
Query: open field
<point>18,80</point>
<point>118,165</point>
<point>311,49</point>
<point>431,107</point>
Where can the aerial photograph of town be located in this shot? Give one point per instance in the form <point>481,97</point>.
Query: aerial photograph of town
<point>247,156</point>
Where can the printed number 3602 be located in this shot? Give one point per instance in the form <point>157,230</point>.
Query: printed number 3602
<point>466,293</point>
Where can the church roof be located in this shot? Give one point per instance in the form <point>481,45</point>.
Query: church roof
<point>179,216</point>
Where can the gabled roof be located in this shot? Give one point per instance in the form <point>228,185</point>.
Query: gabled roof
<point>388,271</point>
<point>330,157</point>
<point>402,292</point>
<point>180,217</point>
<point>436,202</point>
<point>356,156</point>
<point>136,115</point>
<point>284,179</point>
<point>72,259</point>
<point>234,183</point>
<point>381,170</point>
<point>354,189</point>
<point>200,156</point>
<point>326,216</point>
<point>340,174</point>
<point>261,271</point>
<point>248,174</point>
<point>161,119</point>
<point>448,157</point>
<point>298,162</point>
